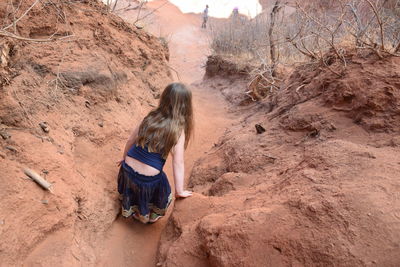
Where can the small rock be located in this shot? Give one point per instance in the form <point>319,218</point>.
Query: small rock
<point>12,149</point>
<point>2,156</point>
<point>45,172</point>
<point>2,222</point>
<point>44,126</point>
<point>48,139</point>
<point>332,127</point>
<point>101,124</point>
<point>369,214</point>
<point>259,129</point>
<point>87,104</point>
<point>271,157</point>
<point>45,201</point>
<point>5,135</point>
<point>139,25</point>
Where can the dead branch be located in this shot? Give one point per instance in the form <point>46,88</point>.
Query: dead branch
<point>115,5</point>
<point>14,36</point>
<point>330,69</point>
<point>378,18</point>
<point>361,30</point>
<point>140,9</point>
<point>253,89</point>
<point>127,8</point>
<point>23,15</point>
<point>38,179</point>
<point>176,72</point>
<point>273,48</point>
<point>307,50</point>
<point>14,11</point>
<point>22,106</point>
<point>332,32</point>
<point>60,11</point>
<point>397,49</point>
<point>298,88</point>
<point>5,33</point>
<point>150,13</point>
<point>355,14</point>
<point>58,70</point>
<point>262,82</point>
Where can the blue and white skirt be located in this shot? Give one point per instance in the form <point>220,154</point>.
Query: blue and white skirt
<point>143,197</point>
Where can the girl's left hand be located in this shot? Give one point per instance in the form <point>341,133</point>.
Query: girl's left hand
<point>183,194</point>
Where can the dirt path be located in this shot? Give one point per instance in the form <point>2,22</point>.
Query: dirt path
<point>133,244</point>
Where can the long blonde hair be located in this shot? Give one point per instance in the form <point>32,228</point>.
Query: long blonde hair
<point>162,127</point>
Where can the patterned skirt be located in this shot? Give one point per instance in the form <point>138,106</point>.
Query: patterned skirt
<point>143,197</point>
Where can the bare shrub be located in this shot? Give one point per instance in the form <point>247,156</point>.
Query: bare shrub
<point>304,32</point>
<point>352,24</point>
<point>239,36</point>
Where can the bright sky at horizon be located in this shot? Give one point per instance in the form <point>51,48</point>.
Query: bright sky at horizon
<point>219,8</point>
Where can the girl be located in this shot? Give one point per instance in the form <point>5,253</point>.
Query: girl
<point>144,187</point>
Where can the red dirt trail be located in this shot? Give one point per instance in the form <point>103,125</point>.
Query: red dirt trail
<point>131,243</point>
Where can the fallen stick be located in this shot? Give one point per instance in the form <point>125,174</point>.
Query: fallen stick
<point>38,179</point>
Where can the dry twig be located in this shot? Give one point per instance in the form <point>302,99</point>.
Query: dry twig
<point>378,18</point>
<point>150,13</point>
<point>23,15</point>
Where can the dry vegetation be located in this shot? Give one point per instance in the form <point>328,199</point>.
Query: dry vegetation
<point>298,32</point>
<point>13,11</point>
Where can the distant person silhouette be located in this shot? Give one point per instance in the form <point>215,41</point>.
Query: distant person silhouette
<point>205,18</point>
<point>235,12</point>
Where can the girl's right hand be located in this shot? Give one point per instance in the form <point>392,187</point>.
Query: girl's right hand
<point>183,194</point>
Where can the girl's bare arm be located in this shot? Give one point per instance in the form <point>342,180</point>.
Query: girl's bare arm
<point>178,165</point>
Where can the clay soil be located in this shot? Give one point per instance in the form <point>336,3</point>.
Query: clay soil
<point>320,187</point>
<point>90,89</point>
<point>307,177</point>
